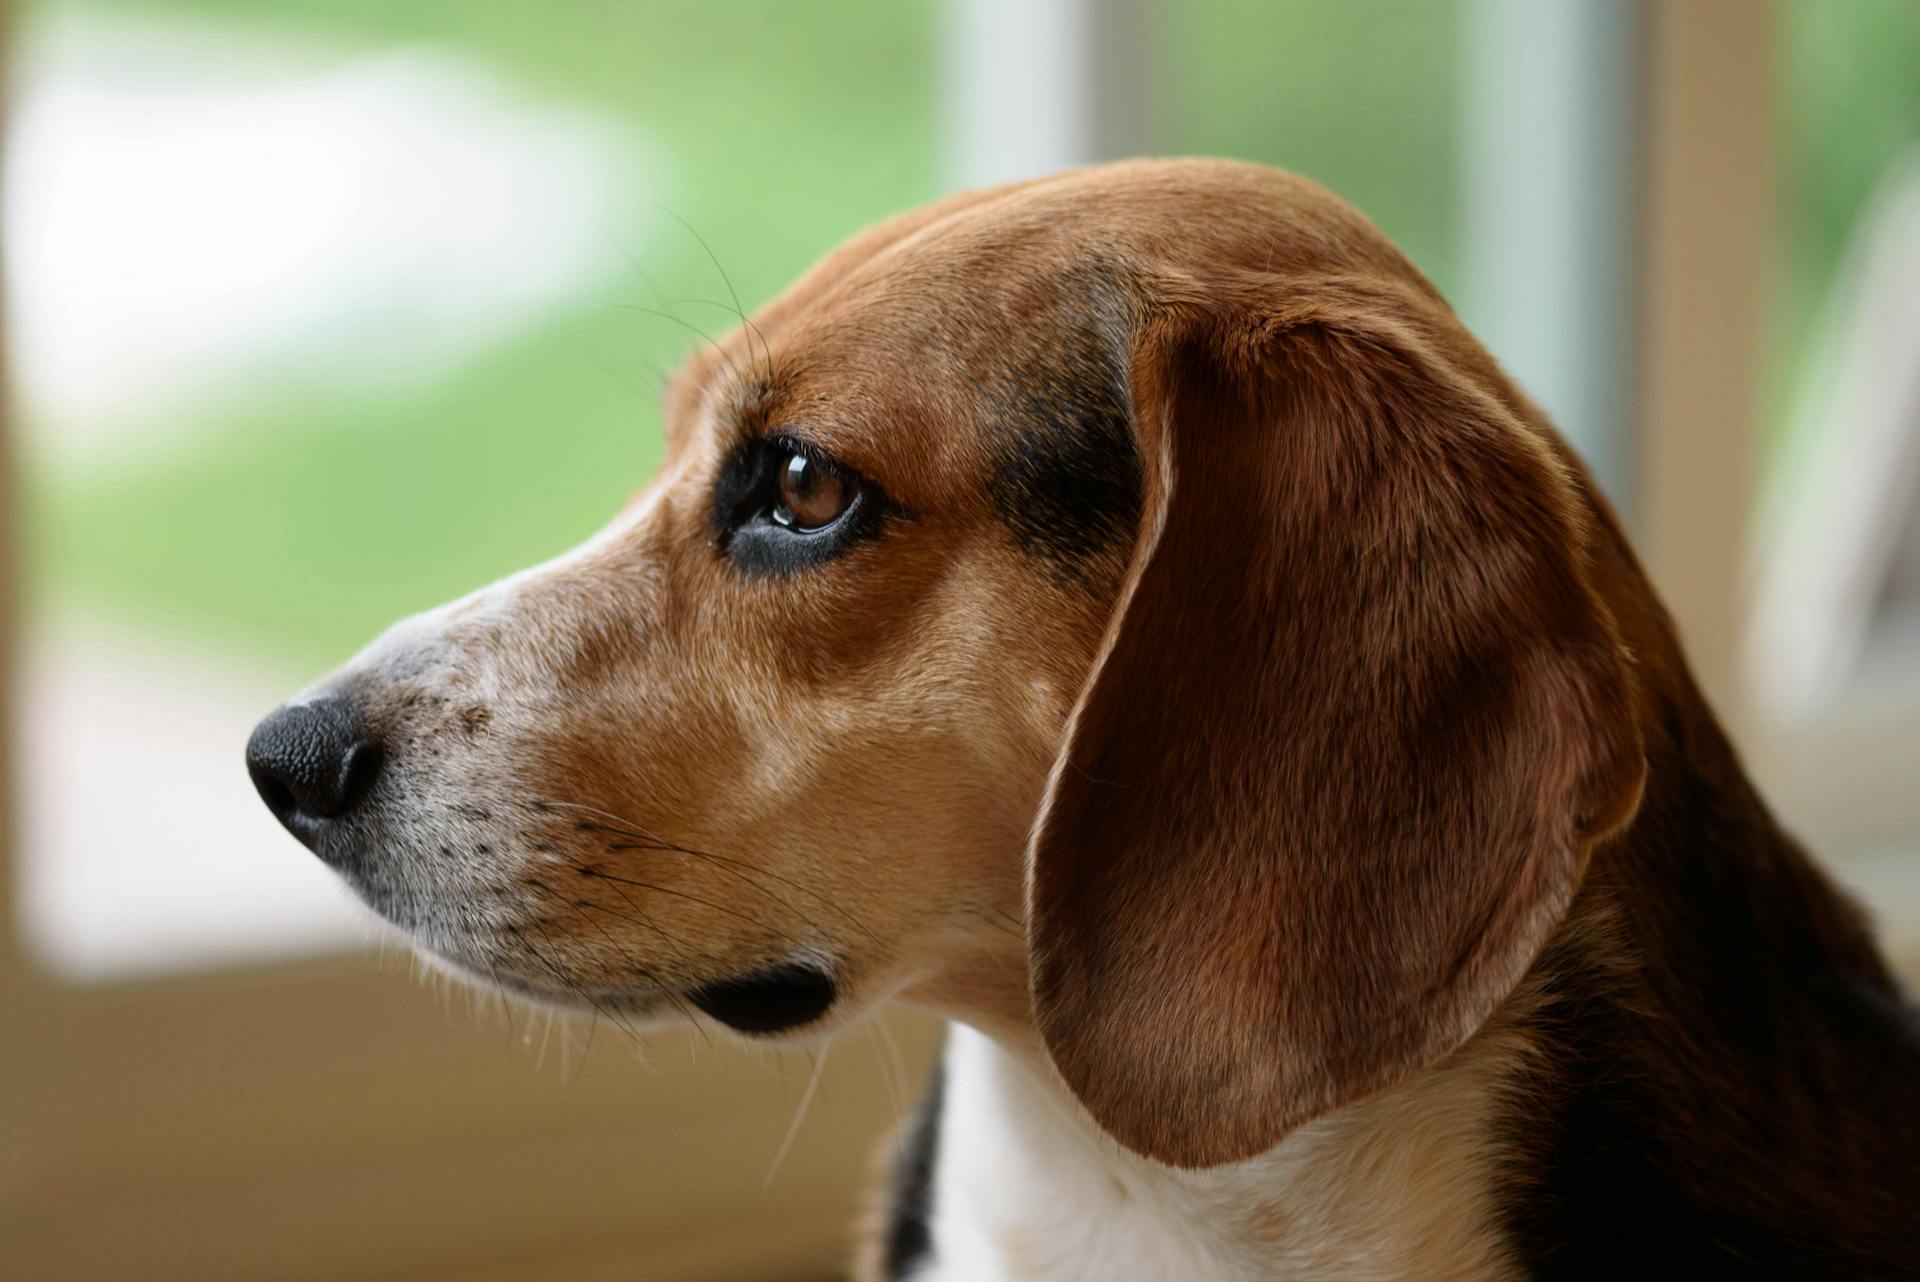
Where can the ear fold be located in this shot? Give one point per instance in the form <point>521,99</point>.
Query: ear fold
<point>1357,721</point>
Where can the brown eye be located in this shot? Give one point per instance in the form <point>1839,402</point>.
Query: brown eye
<point>780,507</point>
<point>810,495</point>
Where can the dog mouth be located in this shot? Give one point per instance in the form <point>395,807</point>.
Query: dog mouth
<point>505,952</point>
<point>774,997</point>
<point>780,997</point>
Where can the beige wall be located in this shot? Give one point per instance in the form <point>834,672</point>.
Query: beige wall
<point>328,1121</point>
<point>1706,254</point>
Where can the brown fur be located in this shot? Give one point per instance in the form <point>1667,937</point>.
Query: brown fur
<point>1358,726</point>
<point>1368,592</point>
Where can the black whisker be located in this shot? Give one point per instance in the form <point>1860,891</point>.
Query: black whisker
<point>990,918</point>
<point>731,291</point>
<point>568,984</point>
<point>684,323</point>
<point>588,870</point>
<point>664,988</point>
<point>652,841</point>
<point>749,874</point>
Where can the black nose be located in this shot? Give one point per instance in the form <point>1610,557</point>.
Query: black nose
<point>313,762</point>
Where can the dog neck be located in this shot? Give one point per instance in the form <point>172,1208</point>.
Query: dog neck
<point>1025,1186</point>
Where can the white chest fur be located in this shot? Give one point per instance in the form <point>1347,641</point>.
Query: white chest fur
<point>1026,1189</point>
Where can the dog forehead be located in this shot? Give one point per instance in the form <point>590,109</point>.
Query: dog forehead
<point>914,374</point>
<point>921,366</point>
<point>953,338</point>
<point>986,278</point>
<point>1171,221</point>
<point>983,342</point>
<point>979,255</point>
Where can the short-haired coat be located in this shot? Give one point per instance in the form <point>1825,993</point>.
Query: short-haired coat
<point>1128,613</point>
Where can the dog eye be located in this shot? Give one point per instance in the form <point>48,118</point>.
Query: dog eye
<point>809,496</point>
<point>781,506</point>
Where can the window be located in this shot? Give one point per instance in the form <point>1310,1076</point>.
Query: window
<point>1833,653</point>
<point>323,311</point>
<point>325,314</point>
<point>318,314</point>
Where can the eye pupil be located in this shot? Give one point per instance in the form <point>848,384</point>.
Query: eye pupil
<point>810,495</point>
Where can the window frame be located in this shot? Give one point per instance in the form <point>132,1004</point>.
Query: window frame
<point>318,1118</point>
<point>322,1100</point>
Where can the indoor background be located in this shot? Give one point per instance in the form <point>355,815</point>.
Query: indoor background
<point>319,312</point>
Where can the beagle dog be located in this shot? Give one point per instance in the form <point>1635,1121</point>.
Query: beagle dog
<point>1127,613</point>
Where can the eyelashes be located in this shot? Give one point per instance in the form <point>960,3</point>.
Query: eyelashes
<point>781,505</point>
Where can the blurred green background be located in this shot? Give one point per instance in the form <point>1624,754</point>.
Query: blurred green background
<point>300,518</point>
<point>307,519</point>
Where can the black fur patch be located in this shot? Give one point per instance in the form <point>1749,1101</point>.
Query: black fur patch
<point>1067,472</point>
<point>909,1239</point>
<point>1746,1107</point>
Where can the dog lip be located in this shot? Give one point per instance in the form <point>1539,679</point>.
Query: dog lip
<point>763,1001</point>
<point>771,999</point>
<point>637,999</point>
<point>339,850</point>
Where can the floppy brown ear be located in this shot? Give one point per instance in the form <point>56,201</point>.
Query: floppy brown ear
<point>1358,718</point>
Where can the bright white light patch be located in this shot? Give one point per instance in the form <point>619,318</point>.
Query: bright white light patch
<point>190,214</point>
<point>144,847</point>
<point>192,217</point>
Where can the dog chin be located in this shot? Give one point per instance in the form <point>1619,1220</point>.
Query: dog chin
<point>784,997</point>
<point>631,1002</point>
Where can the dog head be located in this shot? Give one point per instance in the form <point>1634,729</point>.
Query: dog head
<point>1124,609</point>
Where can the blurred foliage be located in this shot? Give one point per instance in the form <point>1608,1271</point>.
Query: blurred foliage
<point>1849,107</point>
<point>1362,96</point>
<point>305,522</point>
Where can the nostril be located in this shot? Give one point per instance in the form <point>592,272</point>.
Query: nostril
<point>313,761</point>
<point>277,795</point>
<point>357,772</point>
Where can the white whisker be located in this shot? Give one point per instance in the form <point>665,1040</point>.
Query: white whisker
<point>799,1116</point>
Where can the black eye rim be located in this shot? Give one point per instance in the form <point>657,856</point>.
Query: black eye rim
<point>747,492</point>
